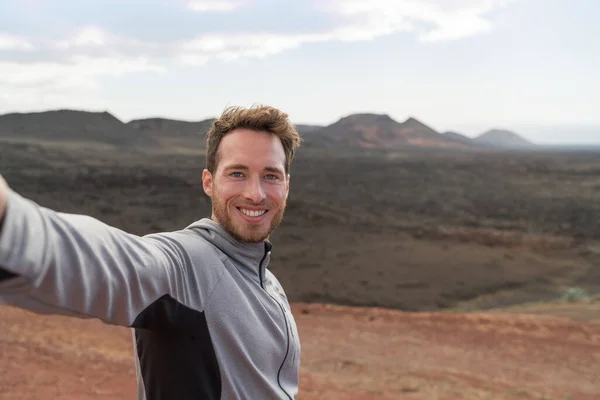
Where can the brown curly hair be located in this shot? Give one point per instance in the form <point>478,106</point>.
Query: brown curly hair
<point>259,118</point>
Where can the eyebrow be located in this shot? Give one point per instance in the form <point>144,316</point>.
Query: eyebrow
<point>274,169</point>
<point>236,166</point>
<point>245,168</point>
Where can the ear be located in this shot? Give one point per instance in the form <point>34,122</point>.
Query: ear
<point>287,187</point>
<point>207,181</point>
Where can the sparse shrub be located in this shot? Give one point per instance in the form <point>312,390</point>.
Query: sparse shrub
<point>574,295</point>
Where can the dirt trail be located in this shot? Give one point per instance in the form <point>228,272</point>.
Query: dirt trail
<point>348,353</point>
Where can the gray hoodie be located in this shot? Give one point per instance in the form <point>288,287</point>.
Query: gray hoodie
<point>209,320</point>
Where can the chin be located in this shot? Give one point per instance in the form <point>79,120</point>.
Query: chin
<point>253,236</point>
<point>249,234</point>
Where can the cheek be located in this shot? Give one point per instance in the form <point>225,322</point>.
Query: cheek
<point>276,193</point>
<point>228,190</point>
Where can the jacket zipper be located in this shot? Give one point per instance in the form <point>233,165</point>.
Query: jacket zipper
<point>287,329</point>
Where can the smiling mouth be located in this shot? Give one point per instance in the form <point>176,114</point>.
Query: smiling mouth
<point>252,213</point>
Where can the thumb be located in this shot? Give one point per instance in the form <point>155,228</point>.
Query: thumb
<point>3,197</point>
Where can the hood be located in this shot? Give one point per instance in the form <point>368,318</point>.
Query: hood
<point>248,256</point>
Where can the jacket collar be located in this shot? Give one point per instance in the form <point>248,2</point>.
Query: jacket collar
<point>248,255</point>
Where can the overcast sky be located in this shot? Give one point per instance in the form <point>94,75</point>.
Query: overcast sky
<point>464,65</point>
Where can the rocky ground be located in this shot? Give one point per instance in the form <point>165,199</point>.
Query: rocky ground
<point>416,231</point>
<point>348,353</point>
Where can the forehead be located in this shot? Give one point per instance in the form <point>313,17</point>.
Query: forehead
<point>256,149</point>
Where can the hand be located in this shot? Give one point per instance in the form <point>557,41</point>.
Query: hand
<point>3,198</point>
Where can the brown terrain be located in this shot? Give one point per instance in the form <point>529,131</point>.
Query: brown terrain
<point>348,353</point>
<point>414,272</point>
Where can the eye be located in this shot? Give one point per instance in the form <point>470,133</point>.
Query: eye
<point>237,174</point>
<point>272,177</point>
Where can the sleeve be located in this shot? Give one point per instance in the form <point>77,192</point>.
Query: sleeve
<point>58,263</point>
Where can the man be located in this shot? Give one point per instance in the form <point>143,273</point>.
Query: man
<point>209,320</point>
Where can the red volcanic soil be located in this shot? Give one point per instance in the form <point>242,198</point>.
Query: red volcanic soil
<point>347,353</point>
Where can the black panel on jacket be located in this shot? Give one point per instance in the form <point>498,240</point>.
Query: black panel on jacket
<point>167,333</point>
<point>4,274</point>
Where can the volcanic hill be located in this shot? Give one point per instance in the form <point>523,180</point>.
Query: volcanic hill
<point>503,139</point>
<point>71,126</point>
<point>380,131</point>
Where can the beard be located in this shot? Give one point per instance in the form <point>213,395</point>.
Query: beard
<point>242,230</point>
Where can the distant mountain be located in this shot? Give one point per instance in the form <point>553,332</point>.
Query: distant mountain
<point>503,139</point>
<point>380,131</point>
<point>360,131</point>
<point>190,135</point>
<point>314,137</point>
<point>173,133</point>
<point>70,126</point>
<point>303,128</point>
<point>458,136</point>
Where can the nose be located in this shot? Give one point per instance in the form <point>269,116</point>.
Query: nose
<point>254,191</point>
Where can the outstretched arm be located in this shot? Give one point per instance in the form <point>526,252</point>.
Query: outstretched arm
<point>53,262</point>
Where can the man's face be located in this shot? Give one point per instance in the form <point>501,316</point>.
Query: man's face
<point>249,187</point>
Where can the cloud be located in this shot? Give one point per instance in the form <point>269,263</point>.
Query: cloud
<point>91,52</point>
<point>60,67</point>
<point>87,36</point>
<point>10,42</point>
<point>213,5</point>
<point>228,47</point>
<point>81,71</point>
<point>93,40</point>
<point>431,20</point>
<point>361,20</point>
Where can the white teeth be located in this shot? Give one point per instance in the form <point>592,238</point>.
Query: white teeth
<point>252,213</point>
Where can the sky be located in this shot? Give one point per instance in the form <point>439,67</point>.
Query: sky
<point>531,66</point>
